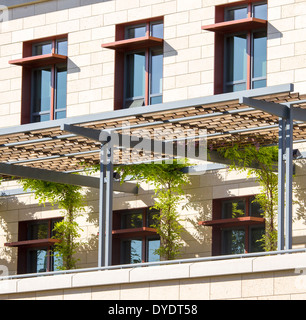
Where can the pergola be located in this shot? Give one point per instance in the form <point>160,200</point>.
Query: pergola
<point>54,150</point>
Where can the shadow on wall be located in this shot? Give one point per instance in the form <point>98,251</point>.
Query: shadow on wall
<point>197,239</point>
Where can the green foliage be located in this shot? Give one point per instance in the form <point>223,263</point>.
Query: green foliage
<point>71,200</point>
<point>168,181</point>
<point>260,162</point>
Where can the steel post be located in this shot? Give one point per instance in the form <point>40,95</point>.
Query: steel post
<point>281,183</point>
<point>289,174</point>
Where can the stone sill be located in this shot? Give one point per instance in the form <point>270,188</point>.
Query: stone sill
<point>156,273</point>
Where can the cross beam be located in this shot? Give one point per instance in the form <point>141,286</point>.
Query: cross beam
<point>60,177</point>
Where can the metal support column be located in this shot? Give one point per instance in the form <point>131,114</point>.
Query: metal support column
<point>109,206</point>
<point>281,183</point>
<point>289,173</point>
<point>102,194</point>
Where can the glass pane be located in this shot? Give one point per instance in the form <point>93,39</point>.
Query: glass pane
<point>151,220</point>
<point>259,84</point>
<point>259,54</point>
<point>156,100</point>
<point>237,14</point>
<point>61,88</point>
<point>134,103</point>
<point>131,251</point>
<point>136,32</point>
<point>37,260</point>
<point>236,87</point>
<point>41,90</point>
<point>38,231</point>
<point>236,58</point>
<point>153,244</point>
<point>157,30</point>
<point>256,234</point>
<point>131,220</point>
<point>233,241</point>
<point>60,115</point>
<point>135,77</point>
<point>42,48</point>
<point>57,261</point>
<point>255,209</point>
<point>62,47</point>
<point>41,118</point>
<point>156,72</point>
<point>233,209</point>
<point>260,11</point>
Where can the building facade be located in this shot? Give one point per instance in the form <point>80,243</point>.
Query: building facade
<point>73,58</point>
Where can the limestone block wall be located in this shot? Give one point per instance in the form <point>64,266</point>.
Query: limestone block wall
<point>257,278</point>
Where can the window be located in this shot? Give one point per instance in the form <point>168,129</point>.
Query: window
<point>139,58</point>
<point>234,238</point>
<point>35,247</point>
<point>49,84</point>
<point>134,238</point>
<point>237,226</point>
<point>44,79</point>
<point>144,68</point>
<point>241,47</point>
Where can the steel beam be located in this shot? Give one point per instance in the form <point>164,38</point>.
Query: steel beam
<point>279,110</point>
<point>89,133</point>
<point>48,175</point>
<point>298,114</point>
<point>162,107</point>
<point>60,177</point>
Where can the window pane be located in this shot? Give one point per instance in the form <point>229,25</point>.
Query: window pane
<point>41,90</point>
<point>236,53</point>
<point>61,88</point>
<point>156,100</point>
<point>42,48</point>
<point>37,260</point>
<point>135,77</point>
<point>131,220</point>
<point>62,47</point>
<point>156,72</point>
<point>260,11</point>
<point>57,261</point>
<point>153,244</point>
<point>259,54</point>
<point>157,30</point>
<point>233,209</point>
<point>60,115</point>
<point>131,251</point>
<point>256,234</point>
<point>134,103</point>
<point>41,118</point>
<point>151,220</point>
<point>136,32</point>
<point>38,231</point>
<point>233,241</point>
<point>259,84</point>
<point>255,209</point>
<point>237,13</point>
<point>236,87</point>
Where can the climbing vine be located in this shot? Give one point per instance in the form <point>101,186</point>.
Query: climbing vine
<point>71,200</point>
<point>168,181</point>
<point>260,162</point>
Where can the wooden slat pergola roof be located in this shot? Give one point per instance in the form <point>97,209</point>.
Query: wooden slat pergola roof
<point>46,146</point>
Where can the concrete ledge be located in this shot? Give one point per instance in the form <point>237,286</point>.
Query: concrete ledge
<point>184,271</point>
